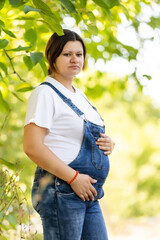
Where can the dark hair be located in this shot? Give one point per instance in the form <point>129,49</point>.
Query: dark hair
<point>56,44</point>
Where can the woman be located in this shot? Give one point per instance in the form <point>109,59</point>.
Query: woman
<point>64,135</point>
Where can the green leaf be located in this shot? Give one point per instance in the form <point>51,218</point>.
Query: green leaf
<point>2,23</point>
<point>17,97</point>
<point>36,57</point>
<point>3,104</point>
<point>101,3</point>
<point>19,48</point>
<point>25,89</point>
<point>2,226</point>
<point>24,18</point>
<point>43,7</point>
<point>147,76</point>
<point>112,3</point>
<point>14,2</point>
<point>31,36</point>
<point>12,220</point>
<point>1,77</point>
<point>2,2</point>
<point>77,17</point>
<point>91,16</point>
<point>43,66</point>
<point>107,4</point>
<point>95,91</point>
<point>28,62</point>
<point>27,9</point>
<point>154,22</point>
<point>4,68</point>
<point>83,3</point>
<point>92,28</point>
<point>49,17</point>
<point>52,25</point>
<point>8,164</point>
<point>68,5</point>
<point>9,32</point>
<point>3,43</point>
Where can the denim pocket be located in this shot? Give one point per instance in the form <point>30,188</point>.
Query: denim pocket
<point>63,188</point>
<point>99,188</point>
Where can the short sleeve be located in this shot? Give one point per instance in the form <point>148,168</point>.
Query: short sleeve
<point>40,108</point>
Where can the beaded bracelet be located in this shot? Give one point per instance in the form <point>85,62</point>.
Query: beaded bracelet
<point>73,178</point>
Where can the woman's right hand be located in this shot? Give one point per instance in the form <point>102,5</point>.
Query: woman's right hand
<point>83,187</point>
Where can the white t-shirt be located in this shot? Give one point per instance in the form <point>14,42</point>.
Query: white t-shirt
<point>65,128</point>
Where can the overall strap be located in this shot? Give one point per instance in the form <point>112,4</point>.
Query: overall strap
<point>65,99</point>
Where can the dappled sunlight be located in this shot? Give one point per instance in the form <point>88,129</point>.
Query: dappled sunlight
<point>121,80</point>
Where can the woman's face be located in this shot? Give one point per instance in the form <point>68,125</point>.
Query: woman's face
<point>71,60</point>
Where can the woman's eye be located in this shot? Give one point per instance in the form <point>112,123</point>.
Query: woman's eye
<point>66,54</point>
<point>69,54</point>
<point>79,54</point>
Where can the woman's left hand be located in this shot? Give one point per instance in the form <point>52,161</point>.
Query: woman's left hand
<point>105,143</point>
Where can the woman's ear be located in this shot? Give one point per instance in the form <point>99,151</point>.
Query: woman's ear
<point>54,66</point>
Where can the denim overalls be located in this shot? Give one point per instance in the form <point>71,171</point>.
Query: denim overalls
<point>64,215</point>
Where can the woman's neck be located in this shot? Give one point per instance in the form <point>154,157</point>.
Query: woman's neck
<point>66,82</point>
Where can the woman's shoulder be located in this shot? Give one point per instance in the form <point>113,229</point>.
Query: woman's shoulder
<point>81,93</point>
<point>42,91</point>
<point>42,95</point>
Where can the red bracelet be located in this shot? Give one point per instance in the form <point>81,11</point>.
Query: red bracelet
<point>73,178</point>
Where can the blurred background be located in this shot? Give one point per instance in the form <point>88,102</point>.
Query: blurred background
<point>121,79</point>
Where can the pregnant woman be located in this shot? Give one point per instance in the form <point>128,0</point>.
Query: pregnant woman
<point>65,136</point>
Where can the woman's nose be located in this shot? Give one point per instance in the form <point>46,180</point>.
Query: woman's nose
<point>74,58</point>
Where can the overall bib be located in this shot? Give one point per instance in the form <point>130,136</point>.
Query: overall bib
<point>64,215</point>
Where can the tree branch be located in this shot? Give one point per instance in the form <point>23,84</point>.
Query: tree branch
<point>5,120</point>
<point>14,71</point>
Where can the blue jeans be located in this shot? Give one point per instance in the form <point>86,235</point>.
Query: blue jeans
<point>64,215</point>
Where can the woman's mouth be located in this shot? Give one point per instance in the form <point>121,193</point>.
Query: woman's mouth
<point>74,67</point>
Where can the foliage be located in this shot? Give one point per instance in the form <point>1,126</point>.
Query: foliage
<point>25,26</point>
<point>97,20</point>
<point>14,210</point>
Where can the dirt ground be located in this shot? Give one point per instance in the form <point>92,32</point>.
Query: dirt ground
<point>146,229</point>
<point>133,229</point>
